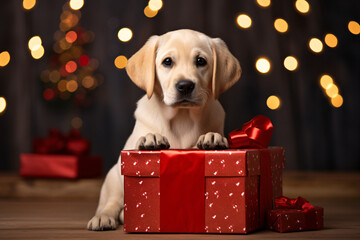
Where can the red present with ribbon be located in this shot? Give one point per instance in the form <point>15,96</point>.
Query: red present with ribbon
<point>197,191</point>
<point>60,156</point>
<point>292,215</point>
<point>200,191</point>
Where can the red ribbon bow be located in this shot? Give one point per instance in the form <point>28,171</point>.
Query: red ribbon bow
<point>293,203</point>
<point>255,134</point>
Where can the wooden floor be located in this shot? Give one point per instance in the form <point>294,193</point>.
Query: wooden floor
<point>43,209</point>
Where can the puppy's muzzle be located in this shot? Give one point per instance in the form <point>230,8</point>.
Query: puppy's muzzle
<point>185,87</point>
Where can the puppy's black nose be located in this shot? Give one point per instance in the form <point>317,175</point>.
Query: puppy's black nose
<point>185,86</point>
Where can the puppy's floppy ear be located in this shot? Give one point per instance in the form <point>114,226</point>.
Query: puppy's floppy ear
<point>226,68</point>
<point>141,66</point>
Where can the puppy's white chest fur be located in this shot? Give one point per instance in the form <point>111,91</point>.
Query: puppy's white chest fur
<point>183,128</point>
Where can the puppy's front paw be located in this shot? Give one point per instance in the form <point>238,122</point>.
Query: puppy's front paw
<point>212,140</point>
<point>102,222</point>
<point>152,142</point>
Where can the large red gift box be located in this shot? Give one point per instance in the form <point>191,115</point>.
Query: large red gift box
<point>60,156</point>
<point>60,166</point>
<point>293,215</point>
<point>198,191</point>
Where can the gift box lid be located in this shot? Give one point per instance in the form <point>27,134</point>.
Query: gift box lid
<point>218,163</point>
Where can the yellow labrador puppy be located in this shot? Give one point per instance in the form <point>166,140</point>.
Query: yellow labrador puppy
<point>183,72</point>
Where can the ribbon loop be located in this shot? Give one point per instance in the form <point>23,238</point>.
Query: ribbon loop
<point>256,134</point>
<point>299,203</point>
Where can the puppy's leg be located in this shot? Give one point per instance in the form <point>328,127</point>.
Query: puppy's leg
<point>212,140</point>
<point>152,142</point>
<point>111,202</point>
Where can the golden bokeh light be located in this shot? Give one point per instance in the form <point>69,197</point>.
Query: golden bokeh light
<point>149,13</point>
<point>72,86</point>
<point>316,45</point>
<point>281,25</point>
<point>70,66</point>
<point>4,58</point>
<point>331,40</point>
<point>76,4</point>
<point>120,62</point>
<point>125,34</point>
<point>88,82</point>
<point>34,43</point>
<point>302,6</point>
<point>290,63</point>
<point>326,81</point>
<point>332,90</point>
<point>263,65</point>
<point>29,4</point>
<point>76,122</point>
<point>337,101</point>
<point>2,104</point>
<point>244,21</point>
<point>37,54</point>
<point>155,5</point>
<point>354,27</point>
<point>62,85</point>
<point>71,36</point>
<point>54,76</point>
<point>273,102</point>
<point>263,3</point>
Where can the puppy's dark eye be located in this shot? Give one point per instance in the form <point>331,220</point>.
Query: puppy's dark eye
<point>200,62</point>
<point>167,62</point>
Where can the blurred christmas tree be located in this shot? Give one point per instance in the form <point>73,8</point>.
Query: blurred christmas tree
<point>71,77</point>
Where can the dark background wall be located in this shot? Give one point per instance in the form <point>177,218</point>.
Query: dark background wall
<point>314,134</point>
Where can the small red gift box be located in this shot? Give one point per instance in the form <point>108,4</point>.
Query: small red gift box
<point>59,156</point>
<point>197,191</point>
<point>59,166</point>
<point>292,215</point>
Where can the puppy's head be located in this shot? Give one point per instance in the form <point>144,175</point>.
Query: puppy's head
<point>184,67</point>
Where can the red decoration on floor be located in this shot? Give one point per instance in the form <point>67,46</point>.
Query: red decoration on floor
<point>292,215</point>
<point>60,156</point>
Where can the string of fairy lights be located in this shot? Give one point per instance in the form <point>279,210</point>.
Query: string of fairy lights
<point>262,64</point>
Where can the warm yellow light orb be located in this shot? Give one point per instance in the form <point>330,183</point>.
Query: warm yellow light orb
<point>332,90</point>
<point>337,101</point>
<point>244,21</point>
<point>125,34</point>
<point>29,4</point>
<point>62,85</point>
<point>290,63</point>
<point>331,40</point>
<point>76,122</point>
<point>149,13</point>
<point>263,3</point>
<point>72,86</point>
<point>263,65</point>
<point>2,104</point>
<point>155,5</point>
<point>315,45</point>
<point>354,27</point>
<point>37,54</point>
<point>34,43</point>
<point>76,4</point>
<point>281,25</point>
<point>302,6</point>
<point>326,81</point>
<point>120,62</point>
<point>4,58</point>
<point>273,102</point>
<point>88,82</point>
